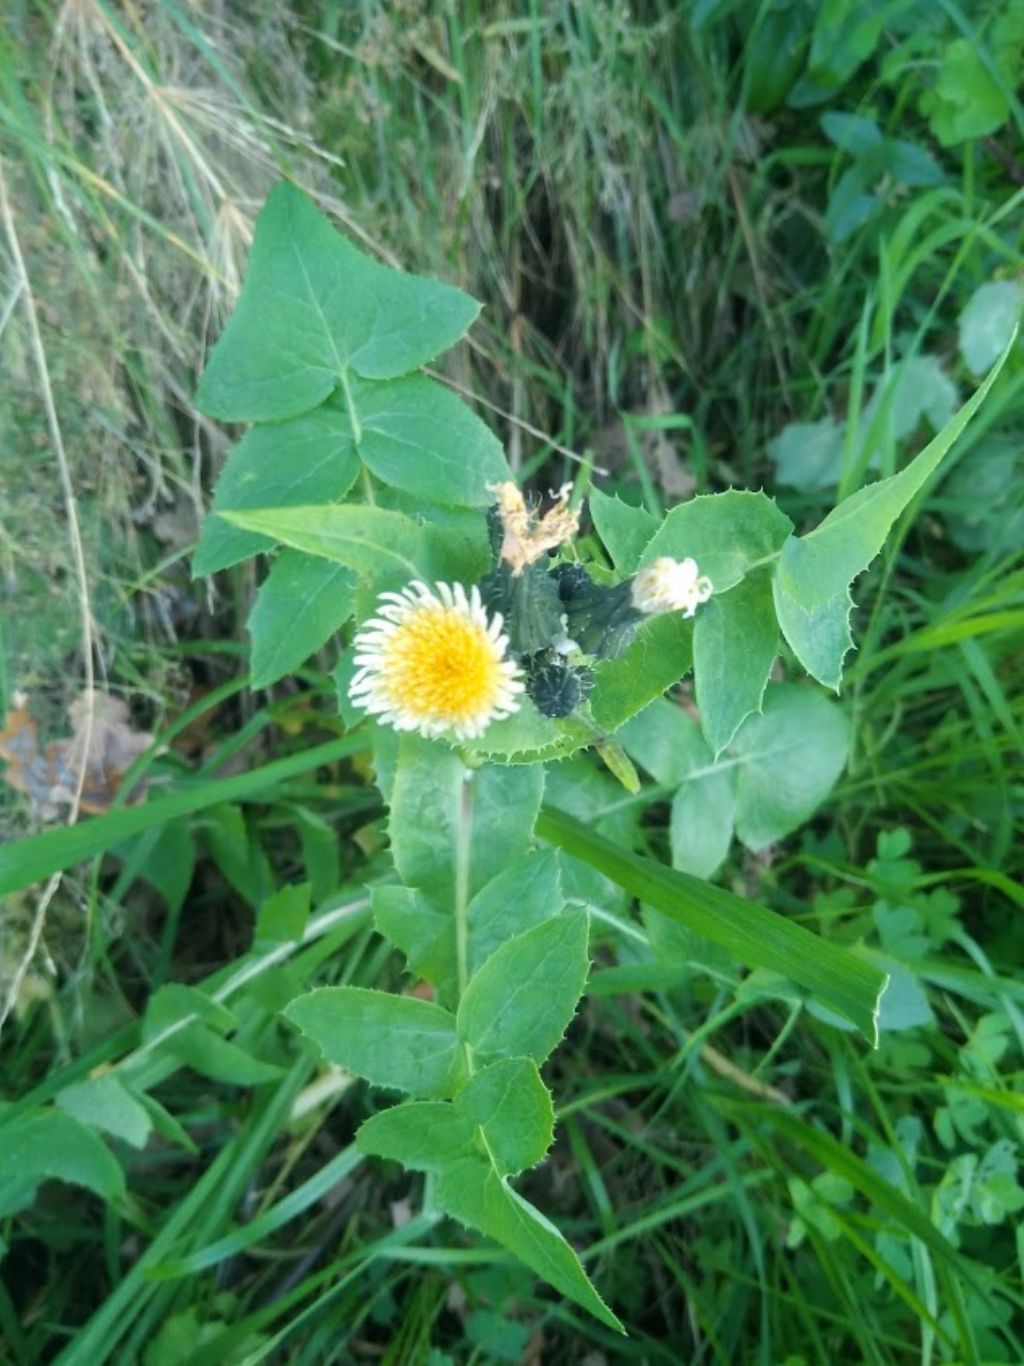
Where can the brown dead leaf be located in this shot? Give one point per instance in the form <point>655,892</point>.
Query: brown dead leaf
<point>49,776</point>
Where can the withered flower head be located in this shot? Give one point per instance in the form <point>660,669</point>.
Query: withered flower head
<point>527,533</point>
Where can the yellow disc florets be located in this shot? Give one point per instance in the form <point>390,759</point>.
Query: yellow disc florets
<point>432,661</point>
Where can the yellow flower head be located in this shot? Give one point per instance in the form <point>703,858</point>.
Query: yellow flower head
<point>432,661</point>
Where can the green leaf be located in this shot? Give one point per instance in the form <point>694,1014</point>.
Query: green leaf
<point>48,1144</point>
<point>207,1053</point>
<point>525,894</point>
<point>424,934</point>
<point>445,817</point>
<point>526,736</point>
<point>820,637</point>
<point>728,534</point>
<point>808,455</point>
<point>702,822</point>
<point>238,853</point>
<point>817,568</point>
<point>103,1102</point>
<point>370,540</point>
<point>659,657</point>
<point>522,999</point>
<point>789,757</point>
<point>780,766</point>
<point>624,530</point>
<point>506,1108</point>
<point>734,643</point>
<point>512,1108</point>
<point>668,744</point>
<point>302,602</point>
<point>424,1135</point>
<point>751,934</point>
<point>471,1191</point>
<point>418,436</point>
<point>165,858</point>
<point>965,102</point>
<point>989,321</point>
<point>284,916</point>
<point>172,1004</point>
<point>309,460</point>
<point>394,1041</point>
<point>313,307</point>
<point>664,741</point>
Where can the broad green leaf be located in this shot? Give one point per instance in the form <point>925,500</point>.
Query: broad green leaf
<point>394,1041</point>
<point>851,204</point>
<point>669,745</point>
<point>512,1108</point>
<point>624,530</point>
<point>417,435</point>
<point>165,858</point>
<point>370,540</point>
<point>446,817</point>
<point>665,742</point>
<point>284,916</point>
<point>207,1053</point>
<point>816,569</point>
<point>808,455</point>
<point>659,657</point>
<point>103,1102</point>
<point>310,460</point>
<point>424,1135</point>
<point>989,321</point>
<point>915,389</point>
<point>819,636</point>
<point>503,1114</point>
<point>751,934</point>
<point>176,1003</point>
<point>302,602</point>
<point>735,638</point>
<point>789,757</point>
<point>165,1123</point>
<point>454,546</point>
<point>594,797</point>
<point>520,1002</point>
<point>471,1191</point>
<point>526,734</point>
<point>519,897</point>
<point>728,534</point>
<point>852,132</point>
<point>48,1144</point>
<point>313,307</point>
<point>237,852</point>
<point>702,821</point>
<point>965,101</point>
<point>424,934</point>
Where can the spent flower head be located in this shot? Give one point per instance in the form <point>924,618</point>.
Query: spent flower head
<point>528,534</point>
<point>667,585</point>
<point>433,661</point>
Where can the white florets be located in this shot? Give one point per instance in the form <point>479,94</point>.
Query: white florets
<point>432,661</point>
<point>668,585</point>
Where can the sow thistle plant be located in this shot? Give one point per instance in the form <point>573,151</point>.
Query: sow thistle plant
<point>482,644</point>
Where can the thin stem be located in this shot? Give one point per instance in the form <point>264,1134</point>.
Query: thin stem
<point>463,840</point>
<point>462,843</point>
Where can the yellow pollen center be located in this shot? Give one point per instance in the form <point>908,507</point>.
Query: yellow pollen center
<point>440,667</point>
